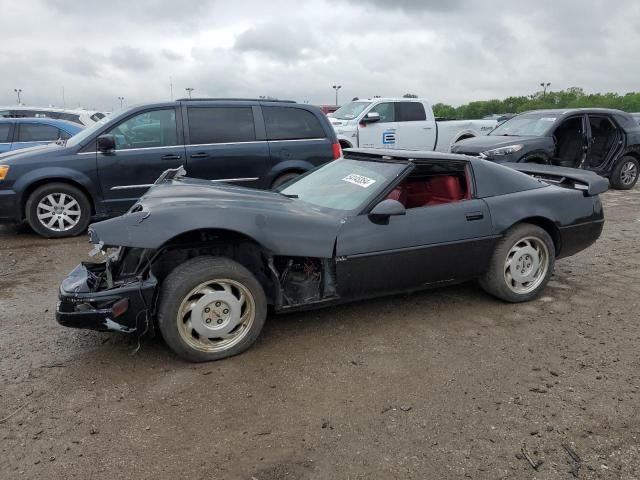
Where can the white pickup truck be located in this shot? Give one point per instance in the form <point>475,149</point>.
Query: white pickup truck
<point>401,123</point>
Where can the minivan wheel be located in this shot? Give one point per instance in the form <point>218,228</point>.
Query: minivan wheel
<point>282,179</point>
<point>211,308</point>
<point>625,173</point>
<point>521,265</point>
<point>58,210</point>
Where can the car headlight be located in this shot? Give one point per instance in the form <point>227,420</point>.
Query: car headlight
<point>508,150</point>
<point>4,171</point>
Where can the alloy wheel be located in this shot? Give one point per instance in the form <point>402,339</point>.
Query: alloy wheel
<point>526,265</point>
<point>216,315</point>
<point>58,212</point>
<point>629,173</point>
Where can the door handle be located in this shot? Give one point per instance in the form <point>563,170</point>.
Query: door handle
<point>471,216</point>
<point>199,155</point>
<point>171,156</point>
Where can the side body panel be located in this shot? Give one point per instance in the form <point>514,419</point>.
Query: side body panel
<point>426,247</point>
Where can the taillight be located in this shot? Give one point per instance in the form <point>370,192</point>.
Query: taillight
<point>337,151</point>
<point>120,307</point>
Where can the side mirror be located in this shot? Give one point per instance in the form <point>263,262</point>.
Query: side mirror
<point>106,143</point>
<point>387,208</point>
<point>371,117</point>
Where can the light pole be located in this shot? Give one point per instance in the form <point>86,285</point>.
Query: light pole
<point>544,87</point>
<point>121,100</point>
<point>18,92</point>
<point>336,88</point>
<point>189,89</point>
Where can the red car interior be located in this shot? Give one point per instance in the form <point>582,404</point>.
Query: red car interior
<point>435,190</point>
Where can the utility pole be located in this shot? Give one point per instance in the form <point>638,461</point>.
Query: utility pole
<point>18,92</point>
<point>170,88</point>
<point>64,103</point>
<point>544,87</point>
<point>189,89</point>
<point>336,88</point>
<point>121,100</point>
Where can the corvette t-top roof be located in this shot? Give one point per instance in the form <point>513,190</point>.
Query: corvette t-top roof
<point>490,178</point>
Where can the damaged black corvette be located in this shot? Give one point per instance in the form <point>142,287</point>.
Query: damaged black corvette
<point>203,263</point>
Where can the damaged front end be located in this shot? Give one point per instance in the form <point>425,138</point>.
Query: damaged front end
<point>102,296</point>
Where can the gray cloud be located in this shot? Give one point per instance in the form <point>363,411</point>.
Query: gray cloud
<point>454,51</point>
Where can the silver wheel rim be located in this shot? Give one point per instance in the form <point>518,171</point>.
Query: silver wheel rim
<point>629,173</point>
<point>59,212</point>
<point>216,315</point>
<point>526,265</point>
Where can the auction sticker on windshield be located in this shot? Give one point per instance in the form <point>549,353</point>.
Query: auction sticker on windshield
<point>359,180</point>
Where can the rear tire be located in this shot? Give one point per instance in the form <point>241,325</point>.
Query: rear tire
<point>58,210</point>
<point>521,265</point>
<point>210,308</point>
<point>625,173</point>
<point>282,179</point>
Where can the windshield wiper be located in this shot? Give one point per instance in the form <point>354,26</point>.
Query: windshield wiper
<point>289,195</point>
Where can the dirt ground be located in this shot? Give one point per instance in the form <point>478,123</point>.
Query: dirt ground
<point>445,384</point>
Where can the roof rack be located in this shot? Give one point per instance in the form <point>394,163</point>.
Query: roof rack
<point>236,99</point>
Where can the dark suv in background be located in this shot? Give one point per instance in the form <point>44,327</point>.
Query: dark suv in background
<point>104,169</point>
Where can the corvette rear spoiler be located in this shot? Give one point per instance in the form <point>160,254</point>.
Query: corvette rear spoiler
<point>589,182</point>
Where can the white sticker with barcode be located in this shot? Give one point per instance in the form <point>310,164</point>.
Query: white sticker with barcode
<point>359,180</point>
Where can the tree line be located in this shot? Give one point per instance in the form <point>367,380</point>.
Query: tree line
<point>574,97</point>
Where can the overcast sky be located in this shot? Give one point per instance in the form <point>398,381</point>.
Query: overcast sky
<point>451,51</point>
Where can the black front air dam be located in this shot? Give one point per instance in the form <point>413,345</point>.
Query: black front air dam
<point>83,305</point>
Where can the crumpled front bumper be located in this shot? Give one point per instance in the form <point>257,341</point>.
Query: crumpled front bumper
<point>82,304</point>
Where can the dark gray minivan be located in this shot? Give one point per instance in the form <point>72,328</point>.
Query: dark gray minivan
<point>103,170</point>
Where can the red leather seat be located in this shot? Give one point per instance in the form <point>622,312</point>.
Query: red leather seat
<point>400,194</point>
<point>445,189</point>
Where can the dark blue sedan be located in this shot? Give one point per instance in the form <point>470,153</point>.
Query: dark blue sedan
<point>16,133</point>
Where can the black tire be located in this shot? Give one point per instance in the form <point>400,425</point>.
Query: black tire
<point>178,287</point>
<point>71,225</point>
<point>625,173</point>
<point>284,178</point>
<point>495,282</point>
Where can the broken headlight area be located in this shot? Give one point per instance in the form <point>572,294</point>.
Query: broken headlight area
<point>94,296</point>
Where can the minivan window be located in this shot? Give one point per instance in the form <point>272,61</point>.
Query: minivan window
<point>410,112</point>
<point>4,133</point>
<point>156,128</point>
<point>37,132</point>
<point>290,123</point>
<point>220,125</point>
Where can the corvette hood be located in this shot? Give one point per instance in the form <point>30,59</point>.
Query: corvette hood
<point>487,142</point>
<point>284,226</point>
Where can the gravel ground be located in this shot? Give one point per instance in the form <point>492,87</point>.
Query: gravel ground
<point>445,384</point>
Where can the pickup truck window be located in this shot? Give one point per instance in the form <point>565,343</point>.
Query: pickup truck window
<point>410,112</point>
<point>350,110</point>
<point>221,125</point>
<point>386,112</point>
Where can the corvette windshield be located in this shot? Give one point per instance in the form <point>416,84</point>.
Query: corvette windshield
<point>350,110</point>
<point>343,184</point>
<point>532,125</point>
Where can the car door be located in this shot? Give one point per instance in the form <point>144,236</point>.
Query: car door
<point>430,245</point>
<point>418,132</point>
<point>223,143</point>
<point>31,134</point>
<point>147,144</point>
<point>383,133</point>
<point>6,136</point>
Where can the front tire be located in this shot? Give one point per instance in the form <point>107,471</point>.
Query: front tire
<point>625,174</point>
<point>211,308</point>
<point>282,179</point>
<point>58,210</point>
<point>521,265</point>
